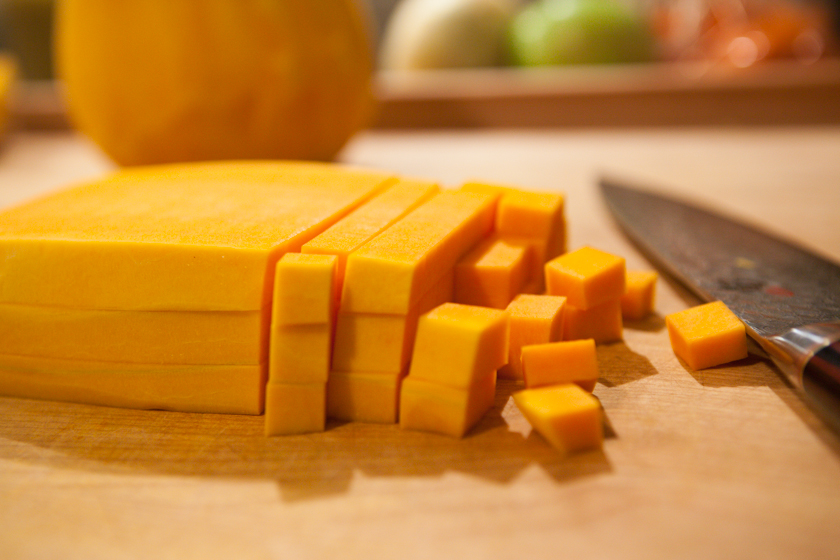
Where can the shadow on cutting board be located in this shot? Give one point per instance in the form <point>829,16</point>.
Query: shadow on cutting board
<point>617,365</point>
<point>758,371</point>
<point>101,439</point>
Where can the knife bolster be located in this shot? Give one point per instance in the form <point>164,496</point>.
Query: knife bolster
<point>810,357</point>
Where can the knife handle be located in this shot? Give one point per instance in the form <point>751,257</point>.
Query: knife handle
<point>810,356</point>
<point>821,380</point>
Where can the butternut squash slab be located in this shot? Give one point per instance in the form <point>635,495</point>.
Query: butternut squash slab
<point>146,337</point>
<point>196,237</point>
<point>229,389</point>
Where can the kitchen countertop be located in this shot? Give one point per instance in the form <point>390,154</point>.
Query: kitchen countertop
<point>721,463</point>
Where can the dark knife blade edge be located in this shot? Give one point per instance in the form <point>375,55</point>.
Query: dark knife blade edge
<point>808,354</point>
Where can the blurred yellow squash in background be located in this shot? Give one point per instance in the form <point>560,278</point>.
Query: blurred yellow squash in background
<point>157,81</point>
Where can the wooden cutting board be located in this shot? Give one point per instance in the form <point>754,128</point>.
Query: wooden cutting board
<point>721,463</point>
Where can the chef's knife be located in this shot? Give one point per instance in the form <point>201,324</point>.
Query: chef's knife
<point>788,298</point>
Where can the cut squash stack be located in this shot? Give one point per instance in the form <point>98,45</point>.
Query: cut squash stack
<point>300,343</point>
<point>152,288</point>
<point>389,282</point>
<point>593,283</point>
<point>294,288</point>
<point>452,381</point>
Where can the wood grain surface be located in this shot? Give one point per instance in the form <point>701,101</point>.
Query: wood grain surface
<point>723,463</point>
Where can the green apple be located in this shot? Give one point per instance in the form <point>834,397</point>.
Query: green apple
<point>549,32</point>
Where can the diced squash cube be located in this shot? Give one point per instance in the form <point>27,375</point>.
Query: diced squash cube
<point>535,282</point>
<point>374,342</point>
<point>304,290</point>
<point>456,344</point>
<point>364,396</point>
<point>707,335</point>
<point>556,363</point>
<point>370,219</point>
<point>430,407</point>
<point>197,237</point>
<point>225,389</point>
<point>535,286</point>
<point>603,323</point>
<point>568,417</point>
<point>534,319</point>
<point>535,215</point>
<point>638,299</point>
<point>146,337</point>
<point>492,274</point>
<point>587,277</point>
<point>300,354</point>
<point>302,319</point>
<point>389,273</point>
<point>295,408</point>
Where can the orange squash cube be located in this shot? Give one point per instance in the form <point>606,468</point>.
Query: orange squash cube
<point>568,417</point>
<point>492,274</point>
<point>534,319</point>
<point>707,335</point>
<point>638,299</point>
<point>430,407</point>
<point>300,354</point>
<point>363,396</point>
<point>587,277</point>
<point>556,363</point>
<point>304,290</point>
<point>295,408</point>
<point>374,342</point>
<point>603,323</point>
<point>456,344</point>
<point>533,215</point>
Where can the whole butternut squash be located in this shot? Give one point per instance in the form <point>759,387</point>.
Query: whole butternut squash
<point>158,81</point>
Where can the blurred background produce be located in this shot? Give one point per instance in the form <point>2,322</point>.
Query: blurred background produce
<point>554,32</point>
<point>427,34</point>
<point>550,32</point>
<point>211,81</point>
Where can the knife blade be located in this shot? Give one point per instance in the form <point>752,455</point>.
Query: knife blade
<point>787,297</point>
